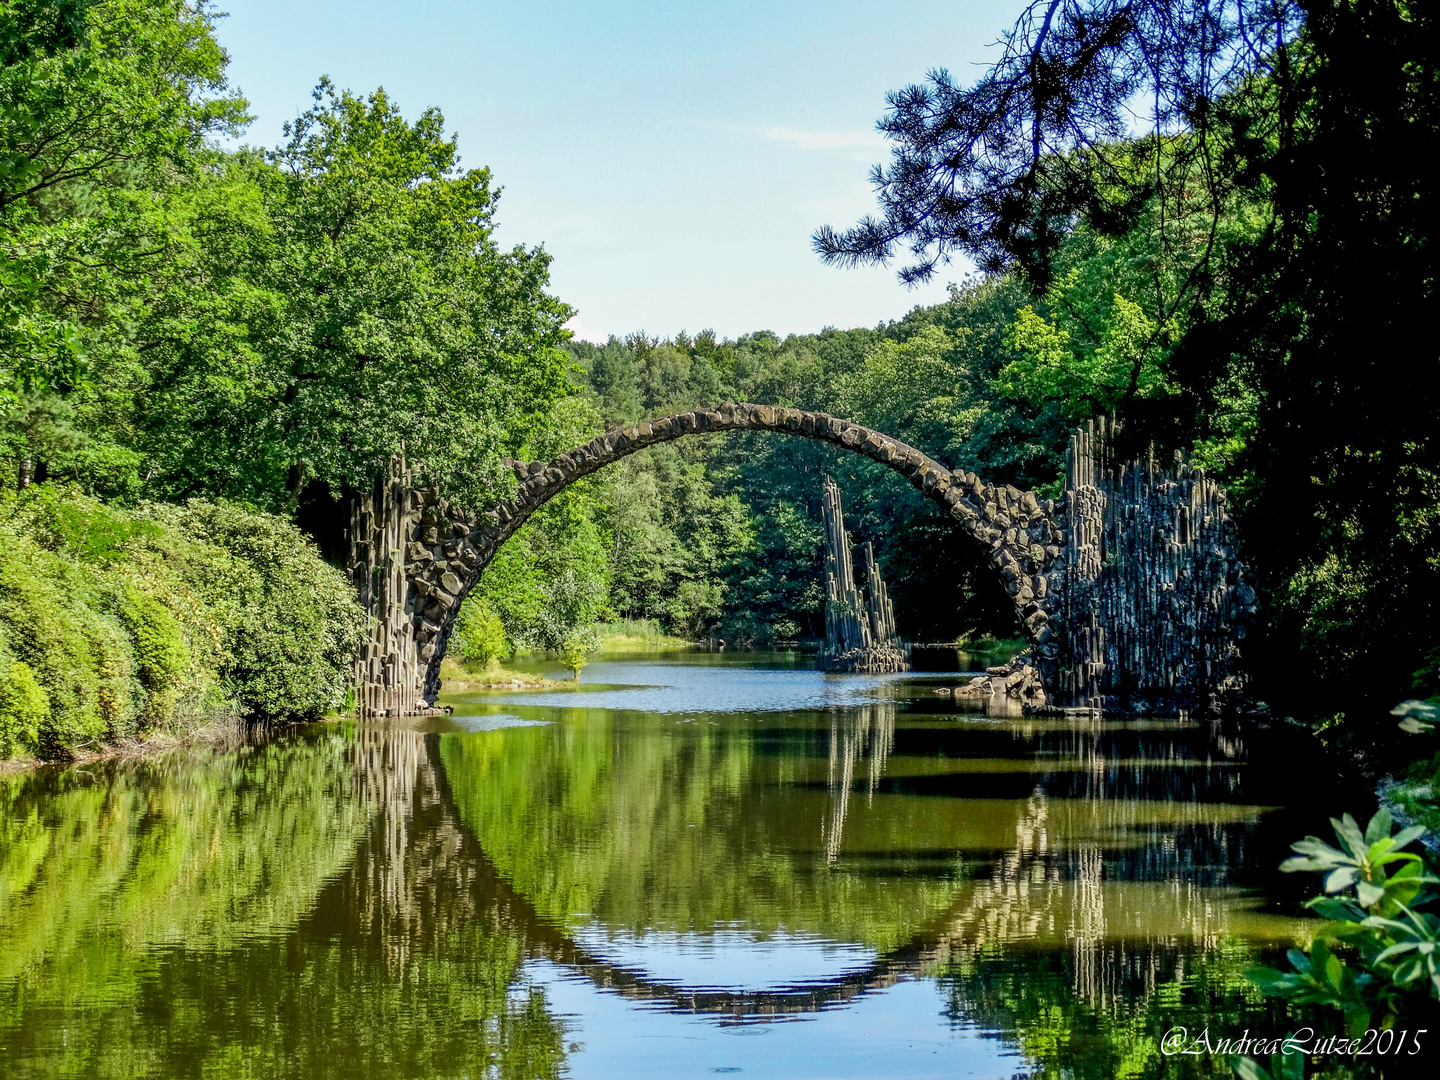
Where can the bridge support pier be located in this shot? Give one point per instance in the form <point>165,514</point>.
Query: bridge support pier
<point>1154,598</point>
<point>389,672</point>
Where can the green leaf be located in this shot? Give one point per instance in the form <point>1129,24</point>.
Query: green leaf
<point>1369,894</point>
<point>1390,926</point>
<point>1332,968</point>
<point>1379,827</point>
<point>1396,950</point>
<point>1313,846</point>
<point>1394,857</point>
<point>1341,879</point>
<point>1248,1068</point>
<point>1408,836</point>
<point>1336,908</point>
<point>1349,833</point>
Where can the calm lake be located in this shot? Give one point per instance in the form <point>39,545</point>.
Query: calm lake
<point>693,864</point>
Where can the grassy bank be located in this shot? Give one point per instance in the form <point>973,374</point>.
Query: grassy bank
<point>479,649</point>
<point>118,624</point>
<point>990,647</point>
<point>457,675</point>
<point>459,672</point>
<point>637,635</point>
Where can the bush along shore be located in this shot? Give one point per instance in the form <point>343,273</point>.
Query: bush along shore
<point>160,621</point>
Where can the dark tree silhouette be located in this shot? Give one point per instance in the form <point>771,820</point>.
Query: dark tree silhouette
<point>999,170</point>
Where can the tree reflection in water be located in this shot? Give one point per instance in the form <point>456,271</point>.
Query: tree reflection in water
<point>304,908</point>
<point>362,902</point>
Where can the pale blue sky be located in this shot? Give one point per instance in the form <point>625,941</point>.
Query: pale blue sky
<point>673,158</point>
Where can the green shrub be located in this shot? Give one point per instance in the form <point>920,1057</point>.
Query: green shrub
<point>53,618</point>
<point>62,520</point>
<point>479,634</point>
<point>131,620</point>
<point>161,654</point>
<point>24,708</point>
<point>290,623</point>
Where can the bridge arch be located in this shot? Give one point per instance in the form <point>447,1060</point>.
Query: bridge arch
<point>1130,587</point>
<point>446,548</point>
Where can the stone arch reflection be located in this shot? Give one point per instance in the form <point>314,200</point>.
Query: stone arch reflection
<point>381,902</point>
<point>1054,883</point>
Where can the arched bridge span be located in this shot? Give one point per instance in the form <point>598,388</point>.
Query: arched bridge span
<point>1129,588</point>
<point>446,548</point>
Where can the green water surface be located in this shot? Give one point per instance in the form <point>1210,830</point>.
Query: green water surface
<point>695,864</point>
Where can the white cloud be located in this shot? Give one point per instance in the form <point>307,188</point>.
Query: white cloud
<point>827,140</point>
<point>576,327</point>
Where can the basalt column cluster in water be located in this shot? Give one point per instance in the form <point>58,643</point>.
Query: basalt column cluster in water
<point>859,624</point>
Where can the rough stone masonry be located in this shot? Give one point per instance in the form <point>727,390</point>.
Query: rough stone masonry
<point>1129,588</point>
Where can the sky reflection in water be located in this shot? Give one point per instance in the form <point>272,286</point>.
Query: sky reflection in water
<point>716,686</point>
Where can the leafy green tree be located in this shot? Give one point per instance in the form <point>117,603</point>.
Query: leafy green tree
<point>103,103</point>
<point>376,313</point>
<point>106,107</point>
<point>577,648</point>
<point>1086,381</point>
<point>920,388</point>
<point>39,429</point>
<point>613,376</point>
<point>479,634</point>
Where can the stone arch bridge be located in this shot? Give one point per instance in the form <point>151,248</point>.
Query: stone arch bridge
<point>1129,586</point>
